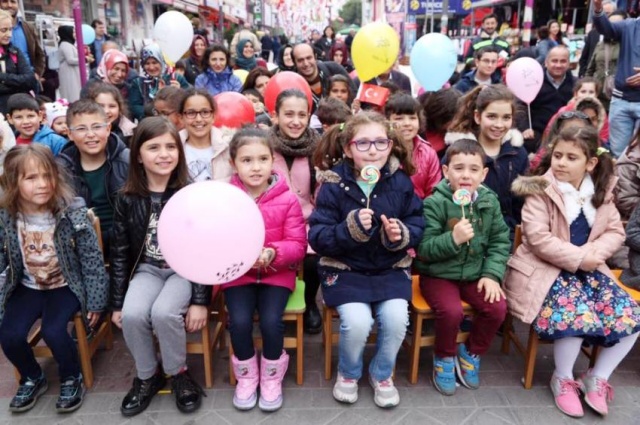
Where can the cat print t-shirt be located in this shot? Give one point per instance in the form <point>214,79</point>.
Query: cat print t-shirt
<point>152,254</point>
<point>199,162</point>
<point>41,267</point>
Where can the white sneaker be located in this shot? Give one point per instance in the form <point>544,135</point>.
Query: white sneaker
<point>345,390</point>
<point>385,393</point>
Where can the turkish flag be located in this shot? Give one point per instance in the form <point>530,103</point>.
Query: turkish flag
<point>370,93</point>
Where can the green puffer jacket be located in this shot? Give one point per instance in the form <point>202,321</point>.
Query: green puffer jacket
<point>488,251</point>
<point>78,252</point>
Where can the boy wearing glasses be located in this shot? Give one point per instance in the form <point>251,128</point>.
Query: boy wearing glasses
<point>486,72</point>
<point>25,115</point>
<point>97,161</point>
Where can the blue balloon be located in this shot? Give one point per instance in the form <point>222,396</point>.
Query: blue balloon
<point>88,34</point>
<point>433,60</point>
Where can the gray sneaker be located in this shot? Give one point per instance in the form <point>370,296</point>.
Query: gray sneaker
<point>345,390</point>
<point>385,393</point>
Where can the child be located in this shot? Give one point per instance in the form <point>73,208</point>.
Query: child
<point>96,162</point>
<point>339,88</point>
<point>206,147</point>
<point>362,233</point>
<point>463,255</point>
<point>439,109</point>
<point>110,98</point>
<point>332,111</point>
<point>24,114</point>
<point>265,288</point>
<point>147,296</point>
<point>294,142</point>
<point>558,279</point>
<point>263,120</point>
<point>167,103</point>
<point>631,274</point>
<point>628,186</point>
<point>404,112</point>
<point>56,116</point>
<point>55,270</point>
<point>486,115</point>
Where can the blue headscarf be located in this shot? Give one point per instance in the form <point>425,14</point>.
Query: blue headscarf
<point>151,84</point>
<point>242,62</point>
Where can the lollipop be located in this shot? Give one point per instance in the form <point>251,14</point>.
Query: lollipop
<point>462,197</point>
<point>371,175</point>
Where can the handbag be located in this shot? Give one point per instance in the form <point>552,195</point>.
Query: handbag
<point>609,80</point>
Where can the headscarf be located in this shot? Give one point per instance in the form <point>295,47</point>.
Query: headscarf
<point>340,46</point>
<point>65,32</point>
<point>152,51</point>
<point>280,60</point>
<point>242,62</point>
<point>109,59</point>
<point>195,59</point>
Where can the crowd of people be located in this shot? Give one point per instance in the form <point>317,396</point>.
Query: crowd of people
<point>456,171</point>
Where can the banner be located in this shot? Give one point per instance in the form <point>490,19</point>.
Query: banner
<point>426,7</point>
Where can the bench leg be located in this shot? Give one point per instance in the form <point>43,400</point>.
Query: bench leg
<point>299,349</point>
<point>84,352</point>
<point>206,354</point>
<point>530,359</point>
<point>327,338</point>
<point>414,350</point>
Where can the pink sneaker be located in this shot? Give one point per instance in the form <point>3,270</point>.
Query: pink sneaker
<point>271,375</point>
<point>597,392</point>
<point>565,393</point>
<point>248,376</point>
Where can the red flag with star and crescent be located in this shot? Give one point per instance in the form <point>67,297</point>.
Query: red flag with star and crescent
<point>370,93</point>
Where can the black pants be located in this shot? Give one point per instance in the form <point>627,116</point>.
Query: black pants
<point>311,279</point>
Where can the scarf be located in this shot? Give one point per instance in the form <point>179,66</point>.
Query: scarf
<point>109,59</point>
<point>242,62</point>
<point>197,60</point>
<point>576,200</point>
<point>305,145</point>
<point>280,60</point>
<point>150,85</point>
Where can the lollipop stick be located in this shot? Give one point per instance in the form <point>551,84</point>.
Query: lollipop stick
<point>369,196</point>
<point>462,208</point>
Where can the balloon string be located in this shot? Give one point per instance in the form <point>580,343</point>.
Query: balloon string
<point>529,110</point>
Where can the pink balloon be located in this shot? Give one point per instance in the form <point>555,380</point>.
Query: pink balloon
<point>211,232</point>
<point>525,78</point>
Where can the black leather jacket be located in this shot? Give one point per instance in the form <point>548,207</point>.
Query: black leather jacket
<point>129,232</point>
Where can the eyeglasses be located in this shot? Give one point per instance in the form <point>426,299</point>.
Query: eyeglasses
<point>574,114</point>
<point>83,131</point>
<point>157,112</point>
<point>191,114</point>
<point>365,145</point>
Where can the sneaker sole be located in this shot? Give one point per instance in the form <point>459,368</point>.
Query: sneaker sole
<point>342,398</point>
<point>74,408</point>
<point>460,375</point>
<point>30,406</point>
<point>189,409</point>
<point>388,404</point>
<point>588,403</point>
<point>272,406</point>
<point>142,408</point>
<point>437,387</point>
<point>245,404</point>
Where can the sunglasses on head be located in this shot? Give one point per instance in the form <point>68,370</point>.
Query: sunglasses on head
<point>574,114</point>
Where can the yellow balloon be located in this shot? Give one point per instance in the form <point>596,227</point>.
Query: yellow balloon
<point>374,50</point>
<point>241,73</point>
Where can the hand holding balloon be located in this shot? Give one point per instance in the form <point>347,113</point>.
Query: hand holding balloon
<point>392,228</point>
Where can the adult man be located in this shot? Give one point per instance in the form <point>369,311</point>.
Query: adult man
<point>316,73</point>
<point>592,39</point>
<point>244,33</point>
<point>24,38</point>
<point>96,46</point>
<point>624,112</point>
<point>556,92</point>
<point>486,72</point>
<point>488,37</point>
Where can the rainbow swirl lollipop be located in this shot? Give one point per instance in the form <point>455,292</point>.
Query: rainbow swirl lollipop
<point>462,197</point>
<point>370,174</point>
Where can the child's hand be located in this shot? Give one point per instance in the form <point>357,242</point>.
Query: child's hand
<point>462,232</point>
<point>528,134</point>
<point>266,258</point>
<point>116,318</point>
<point>196,318</point>
<point>355,106</point>
<point>391,228</point>
<point>492,290</point>
<point>93,318</point>
<point>592,261</point>
<point>366,218</point>
<point>175,83</point>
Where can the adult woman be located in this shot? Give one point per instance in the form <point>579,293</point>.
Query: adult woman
<point>217,77</point>
<point>193,64</point>
<point>16,75</point>
<point>154,77</point>
<point>113,69</point>
<point>246,56</point>
<point>339,53</point>
<point>555,33</point>
<point>544,44</point>
<point>285,58</point>
<point>325,42</point>
<point>257,79</point>
<point>69,71</point>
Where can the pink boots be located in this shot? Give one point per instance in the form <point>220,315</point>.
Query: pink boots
<point>248,376</point>
<point>271,375</point>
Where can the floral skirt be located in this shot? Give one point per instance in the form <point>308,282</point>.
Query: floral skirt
<point>588,305</point>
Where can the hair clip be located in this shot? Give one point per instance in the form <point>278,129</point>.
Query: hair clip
<point>341,126</point>
<point>601,150</point>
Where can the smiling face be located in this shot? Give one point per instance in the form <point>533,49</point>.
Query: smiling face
<point>247,50</point>
<point>340,91</point>
<point>197,127</point>
<point>26,122</point>
<point>110,106</point>
<point>569,163</point>
<point>287,58</point>
<point>35,187</point>
<point>11,6</point>
<point>152,67</point>
<point>587,89</point>
<point>254,163</point>
<point>261,83</point>
<point>199,47</point>
<point>293,117</point>
<point>557,62</point>
<point>6,30</point>
<point>159,156</point>
<point>489,25</point>
<point>117,74</point>
<point>406,125</point>
<point>495,121</point>
<point>487,64</point>
<point>217,61</point>
<point>372,156</point>
<point>305,61</point>
<point>89,134</point>
<point>554,29</point>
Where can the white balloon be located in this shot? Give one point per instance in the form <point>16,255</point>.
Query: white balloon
<point>174,33</point>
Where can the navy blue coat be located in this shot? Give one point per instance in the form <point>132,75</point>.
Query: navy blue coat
<point>358,265</point>
<point>468,81</point>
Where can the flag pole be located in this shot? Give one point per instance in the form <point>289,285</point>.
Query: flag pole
<point>77,20</point>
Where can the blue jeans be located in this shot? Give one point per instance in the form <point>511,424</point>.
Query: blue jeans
<point>624,119</point>
<point>355,325</point>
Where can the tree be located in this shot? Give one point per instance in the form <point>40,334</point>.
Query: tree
<point>351,12</point>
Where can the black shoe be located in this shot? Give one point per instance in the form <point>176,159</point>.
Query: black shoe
<point>312,320</point>
<point>71,394</point>
<point>28,393</point>
<point>188,393</point>
<point>140,395</point>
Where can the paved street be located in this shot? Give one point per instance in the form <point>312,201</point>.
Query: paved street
<point>500,400</point>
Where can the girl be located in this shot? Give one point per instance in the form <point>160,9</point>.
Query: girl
<point>69,71</point>
<point>558,280</point>
<point>55,269</point>
<point>193,64</point>
<point>439,108</point>
<point>246,56</point>
<point>339,88</point>
<point>362,233</point>
<point>154,77</point>
<point>206,147</point>
<point>486,114</point>
<point>147,296</point>
<point>167,103</point>
<point>109,97</point>
<point>294,143</point>
<point>257,79</point>
<point>265,288</point>
<point>404,112</point>
<point>56,116</point>
<point>559,122</point>
<point>218,76</point>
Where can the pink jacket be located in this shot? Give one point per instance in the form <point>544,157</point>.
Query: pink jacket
<point>298,179</point>
<point>427,164</point>
<point>285,232</point>
<point>545,248</point>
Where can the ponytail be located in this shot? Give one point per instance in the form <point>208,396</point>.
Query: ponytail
<point>463,121</point>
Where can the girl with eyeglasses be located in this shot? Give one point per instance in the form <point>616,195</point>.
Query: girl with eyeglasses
<point>362,231</point>
<point>206,147</point>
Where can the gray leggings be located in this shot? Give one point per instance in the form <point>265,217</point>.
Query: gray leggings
<point>156,301</point>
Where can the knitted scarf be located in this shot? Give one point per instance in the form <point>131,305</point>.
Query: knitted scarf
<point>305,145</point>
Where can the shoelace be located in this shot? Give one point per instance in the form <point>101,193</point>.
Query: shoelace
<point>604,389</point>
<point>568,385</point>
<point>347,380</point>
<point>385,383</point>
<point>183,383</point>
<point>68,389</point>
<point>25,390</point>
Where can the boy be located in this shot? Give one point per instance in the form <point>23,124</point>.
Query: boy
<point>26,117</point>
<point>97,161</point>
<point>463,255</point>
<point>485,73</point>
<point>332,111</point>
